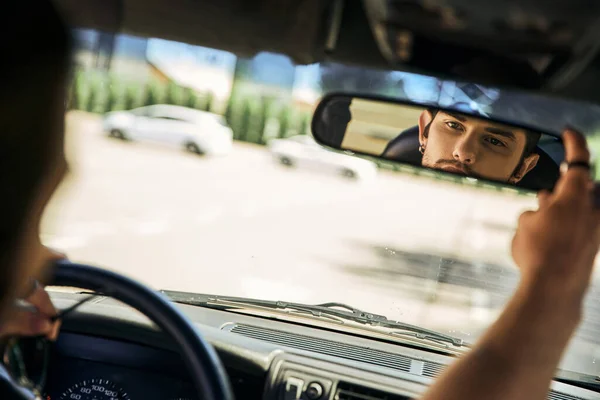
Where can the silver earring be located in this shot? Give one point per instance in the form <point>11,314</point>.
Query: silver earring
<point>421,149</point>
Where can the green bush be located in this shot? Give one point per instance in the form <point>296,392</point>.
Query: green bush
<point>229,109</point>
<point>243,116</point>
<point>131,98</point>
<point>74,102</point>
<point>208,102</point>
<point>152,95</point>
<point>246,117</point>
<point>75,98</point>
<point>113,98</point>
<point>293,123</point>
<point>92,98</point>
<point>265,112</point>
<point>284,122</point>
<point>304,124</point>
<point>190,98</point>
<point>255,128</point>
<point>234,117</point>
<point>173,94</point>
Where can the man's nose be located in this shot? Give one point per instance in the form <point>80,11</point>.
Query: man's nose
<point>465,151</point>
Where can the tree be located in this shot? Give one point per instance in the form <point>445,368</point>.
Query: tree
<point>190,98</point>
<point>74,100</point>
<point>151,96</point>
<point>130,98</point>
<point>112,98</point>
<point>284,122</point>
<point>304,122</point>
<point>245,121</point>
<point>229,110</point>
<point>335,77</point>
<point>265,111</point>
<point>173,94</point>
<point>92,98</point>
<point>209,102</point>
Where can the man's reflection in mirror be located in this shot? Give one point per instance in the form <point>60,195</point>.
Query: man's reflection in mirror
<point>470,146</point>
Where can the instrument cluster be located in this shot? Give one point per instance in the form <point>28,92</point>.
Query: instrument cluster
<point>89,368</point>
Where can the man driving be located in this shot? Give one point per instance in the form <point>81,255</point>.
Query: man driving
<point>469,146</point>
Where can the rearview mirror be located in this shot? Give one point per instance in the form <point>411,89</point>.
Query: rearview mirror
<point>468,143</point>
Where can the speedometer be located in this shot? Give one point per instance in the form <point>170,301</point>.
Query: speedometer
<point>94,389</point>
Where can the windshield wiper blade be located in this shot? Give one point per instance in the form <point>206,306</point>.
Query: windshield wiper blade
<point>337,311</point>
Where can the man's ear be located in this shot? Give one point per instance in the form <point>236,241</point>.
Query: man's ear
<point>527,165</point>
<point>424,119</point>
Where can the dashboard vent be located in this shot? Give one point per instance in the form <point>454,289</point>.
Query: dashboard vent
<point>356,353</point>
<point>349,391</point>
<point>431,370</point>
<point>327,347</point>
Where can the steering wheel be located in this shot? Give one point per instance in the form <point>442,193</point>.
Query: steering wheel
<point>207,372</point>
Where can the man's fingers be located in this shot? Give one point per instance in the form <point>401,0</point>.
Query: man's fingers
<point>24,322</point>
<point>575,181</point>
<point>40,299</point>
<point>524,217</point>
<point>543,197</point>
<point>575,146</point>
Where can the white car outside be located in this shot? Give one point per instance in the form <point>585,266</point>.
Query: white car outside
<point>180,127</point>
<point>304,152</point>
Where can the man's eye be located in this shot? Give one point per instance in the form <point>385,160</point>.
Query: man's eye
<point>453,125</point>
<point>496,142</point>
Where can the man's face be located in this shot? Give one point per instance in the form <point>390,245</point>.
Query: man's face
<point>474,147</point>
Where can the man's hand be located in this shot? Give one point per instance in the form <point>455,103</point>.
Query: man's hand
<point>557,244</point>
<point>35,317</point>
<point>34,320</point>
<point>555,248</point>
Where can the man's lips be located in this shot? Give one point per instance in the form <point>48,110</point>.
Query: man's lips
<point>454,169</point>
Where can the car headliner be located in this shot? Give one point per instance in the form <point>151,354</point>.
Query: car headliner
<point>539,45</point>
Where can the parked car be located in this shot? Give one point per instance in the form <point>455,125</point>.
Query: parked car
<point>304,152</point>
<point>196,131</point>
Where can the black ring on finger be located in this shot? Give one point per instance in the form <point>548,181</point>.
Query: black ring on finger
<point>565,166</point>
<point>579,164</point>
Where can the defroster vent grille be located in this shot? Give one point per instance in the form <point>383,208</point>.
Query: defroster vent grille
<point>327,347</point>
<point>356,353</point>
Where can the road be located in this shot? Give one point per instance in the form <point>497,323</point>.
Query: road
<point>242,225</point>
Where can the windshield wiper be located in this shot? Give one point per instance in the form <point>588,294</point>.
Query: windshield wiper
<point>334,311</point>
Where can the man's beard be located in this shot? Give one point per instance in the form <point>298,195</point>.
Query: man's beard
<point>439,165</point>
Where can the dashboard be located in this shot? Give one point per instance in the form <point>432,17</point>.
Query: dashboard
<point>108,351</point>
<point>86,367</point>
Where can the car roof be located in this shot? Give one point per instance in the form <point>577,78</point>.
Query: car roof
<point>180,111</point>
<point>536,45</point>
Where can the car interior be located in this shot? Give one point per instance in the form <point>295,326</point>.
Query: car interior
<point>126,341</point>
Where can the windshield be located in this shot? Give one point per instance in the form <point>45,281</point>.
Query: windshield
<point>241,219</point>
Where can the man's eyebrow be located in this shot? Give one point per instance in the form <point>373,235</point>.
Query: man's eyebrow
<point>455,116</point>
<point>501,132</point>
<point>497,131</point>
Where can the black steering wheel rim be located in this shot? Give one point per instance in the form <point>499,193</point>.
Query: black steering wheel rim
<point>206,370</point>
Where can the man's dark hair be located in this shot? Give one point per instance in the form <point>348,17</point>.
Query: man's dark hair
<point>36,53</point>
<point>532,140</point>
